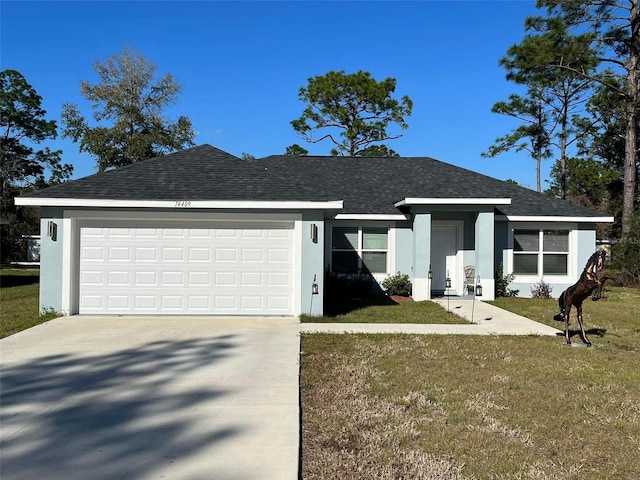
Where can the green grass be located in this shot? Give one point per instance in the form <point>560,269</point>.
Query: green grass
<point>19,291</point>
<point>482,407</point>
<point>384,310</point>
<point>614,319</point>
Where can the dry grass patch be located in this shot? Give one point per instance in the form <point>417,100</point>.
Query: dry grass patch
<point>454,407</point>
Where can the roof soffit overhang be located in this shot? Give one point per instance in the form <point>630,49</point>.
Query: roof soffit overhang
<point>179,204</point>
<point>554,219</point>
<point>419,201</point>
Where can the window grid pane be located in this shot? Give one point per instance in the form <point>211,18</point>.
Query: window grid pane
<point>345,262</point>
<point>375,238</point>
<point>374,262</point>
<point>525,264</point>
<point>554,264</point>
<point>556,241</point>
<point>526,240</point>
<point>344,238</point>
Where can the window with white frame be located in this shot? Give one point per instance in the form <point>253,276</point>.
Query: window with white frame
<point>540,252</point>
<point>359,249</point>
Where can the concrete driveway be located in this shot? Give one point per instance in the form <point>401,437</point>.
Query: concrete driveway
<point>140,398</point>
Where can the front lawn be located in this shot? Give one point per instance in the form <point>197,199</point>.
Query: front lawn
<point>383,310</point>
<point>481,407</point>
<point>19,291</point>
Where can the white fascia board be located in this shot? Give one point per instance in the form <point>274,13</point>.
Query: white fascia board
<point>179,204</point>
<point>369,216</point>
<point>453,201</point>
<point>543,218</point>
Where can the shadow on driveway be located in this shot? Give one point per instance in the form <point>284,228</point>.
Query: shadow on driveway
<point>121,415</point>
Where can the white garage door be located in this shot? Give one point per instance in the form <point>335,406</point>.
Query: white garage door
<point>223,269</point>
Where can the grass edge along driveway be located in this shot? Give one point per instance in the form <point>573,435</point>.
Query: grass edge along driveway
<point>19,292</point>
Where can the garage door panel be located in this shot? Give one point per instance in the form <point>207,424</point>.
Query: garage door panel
<point>212,270</point>
<point>252,279</point>
<point>252,255</point>
<point>92,253</point>
<point>145,303</point>
<point>199,279</point>
<point>200,254</point>
<point>278,255</point>
<point>278,303</point>
<point>118,303</point>
<point>173,254</point>
<point>119,278</point>
<point>146,254</point>
<point>226,279</point>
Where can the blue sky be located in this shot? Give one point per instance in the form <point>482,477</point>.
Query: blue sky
<point>241,65</point>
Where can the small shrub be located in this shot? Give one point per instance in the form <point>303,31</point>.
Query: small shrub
<point>49,313</point>
<point>502,283</point>
<point>541,290</point>
<point>398,284</point>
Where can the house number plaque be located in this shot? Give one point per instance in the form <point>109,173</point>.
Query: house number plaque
<point>183,203</point>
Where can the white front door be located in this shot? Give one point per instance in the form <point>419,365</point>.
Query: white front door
<point>181,268</point>
<point>444,250</point>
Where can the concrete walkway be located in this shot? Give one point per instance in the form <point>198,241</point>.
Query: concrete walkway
<point>487,320</point>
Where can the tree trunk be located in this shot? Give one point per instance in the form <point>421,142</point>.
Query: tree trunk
<point>632,102</point>
<point>563,154</point>
<point>538,168</point>
<point>630,154</point>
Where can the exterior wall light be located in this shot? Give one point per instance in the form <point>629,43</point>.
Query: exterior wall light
<point>314,286</point>
<point>52,230</point>
<point>478,287</point>
<point>314,233</point>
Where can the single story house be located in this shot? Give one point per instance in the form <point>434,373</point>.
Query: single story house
<point>201,231</point>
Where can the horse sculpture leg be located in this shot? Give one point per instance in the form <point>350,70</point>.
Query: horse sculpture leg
<point>583,334</point>
<point>567,313</point>
<point>559,317</point>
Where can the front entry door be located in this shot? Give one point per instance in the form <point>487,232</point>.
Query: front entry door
<point>444,247</point>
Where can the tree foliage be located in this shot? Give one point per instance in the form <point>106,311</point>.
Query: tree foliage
<point>613,30</point>
<point>557,95</point>
<point>352,111</point>
<point>24,167</point>
<point>378,151</point>
<point>23,126</point>
<point>296,150</point>
<point>626,253</point>
<point>532,136</point>
<point>131,102</point>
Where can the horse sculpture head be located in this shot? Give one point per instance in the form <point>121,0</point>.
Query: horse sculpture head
<point>595,264</point>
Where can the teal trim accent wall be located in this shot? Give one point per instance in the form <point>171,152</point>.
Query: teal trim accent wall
<point>404,248</point>
<point>421,244</point>
<point>313,264</point>
<point>51,260</point>
<point>484,230</point>
<point>501,253</point>
<point>586,244</point>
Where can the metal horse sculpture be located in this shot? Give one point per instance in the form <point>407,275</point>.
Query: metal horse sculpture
<point>588,284</point>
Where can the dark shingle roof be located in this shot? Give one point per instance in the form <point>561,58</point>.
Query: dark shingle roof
<point>367,185</point>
